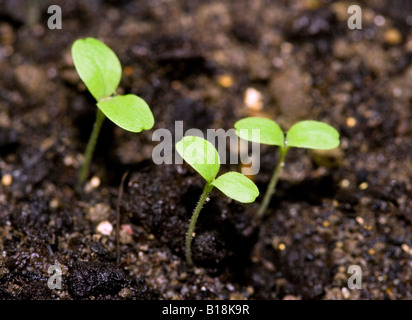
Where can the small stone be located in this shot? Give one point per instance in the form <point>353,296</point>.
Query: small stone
<point>345,183</point>
<point>360,220</point>
<point>225,81</point>
<point>345,293</point>
<point>253,99</point>
<point>125,293</point>
<point>368,227</point>
<point>105,228</point>
<point>54,203</point>
<point>230,287</point>
<point>406,249</point>
<point>183,276</point>
<point>351,122</point>
<point>128,71</point>
<point>363,186</point>
<point>98,212</point>
<point>69,161</point>
<point>125,237</point>
<point>393,36</point>
<point>95,182</point>
<point>7,180</point>
<point>92,184</point>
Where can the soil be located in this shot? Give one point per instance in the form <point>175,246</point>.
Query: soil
<point>194,61</point>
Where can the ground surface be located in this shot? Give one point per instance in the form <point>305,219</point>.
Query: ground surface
<point>194,61</point>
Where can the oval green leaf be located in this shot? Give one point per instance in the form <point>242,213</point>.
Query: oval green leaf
<point>312,135</point>
<point>98,67</point>
<point>236,186</point>
<point>201,155</point>
<point>270,132</point>
<point>129,112</point>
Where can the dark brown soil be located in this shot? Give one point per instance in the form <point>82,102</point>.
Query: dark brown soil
<point>194,61</point>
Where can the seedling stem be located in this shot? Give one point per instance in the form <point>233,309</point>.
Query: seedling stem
<point>273,181</point>
<point>90,147</point>
<point>193,220</point>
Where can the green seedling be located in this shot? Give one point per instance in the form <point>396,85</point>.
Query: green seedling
<point>202,156</point>
<point>100,70</point>
<point>308,134</point>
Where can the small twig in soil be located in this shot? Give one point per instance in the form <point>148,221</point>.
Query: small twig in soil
<point>119,198</point>
<point>49,248</point>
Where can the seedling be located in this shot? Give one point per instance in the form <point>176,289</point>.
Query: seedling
<point>100,70</point>
<point>204,158</point>
<point>308,134</point>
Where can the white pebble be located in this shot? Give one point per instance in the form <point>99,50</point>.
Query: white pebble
<point>253,99</point>
<point>105,228</point>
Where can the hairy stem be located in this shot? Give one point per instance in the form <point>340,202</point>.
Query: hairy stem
<point>273,181</point>
<point>84,170</point>
<point>195,215</point>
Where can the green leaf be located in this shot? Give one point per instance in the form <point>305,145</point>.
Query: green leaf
<point>201,155</point>
<point>236,186</point>
<point>98,67</point>
<point>312,135</point>
<point>270,132</point>
<point>129,112</point>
